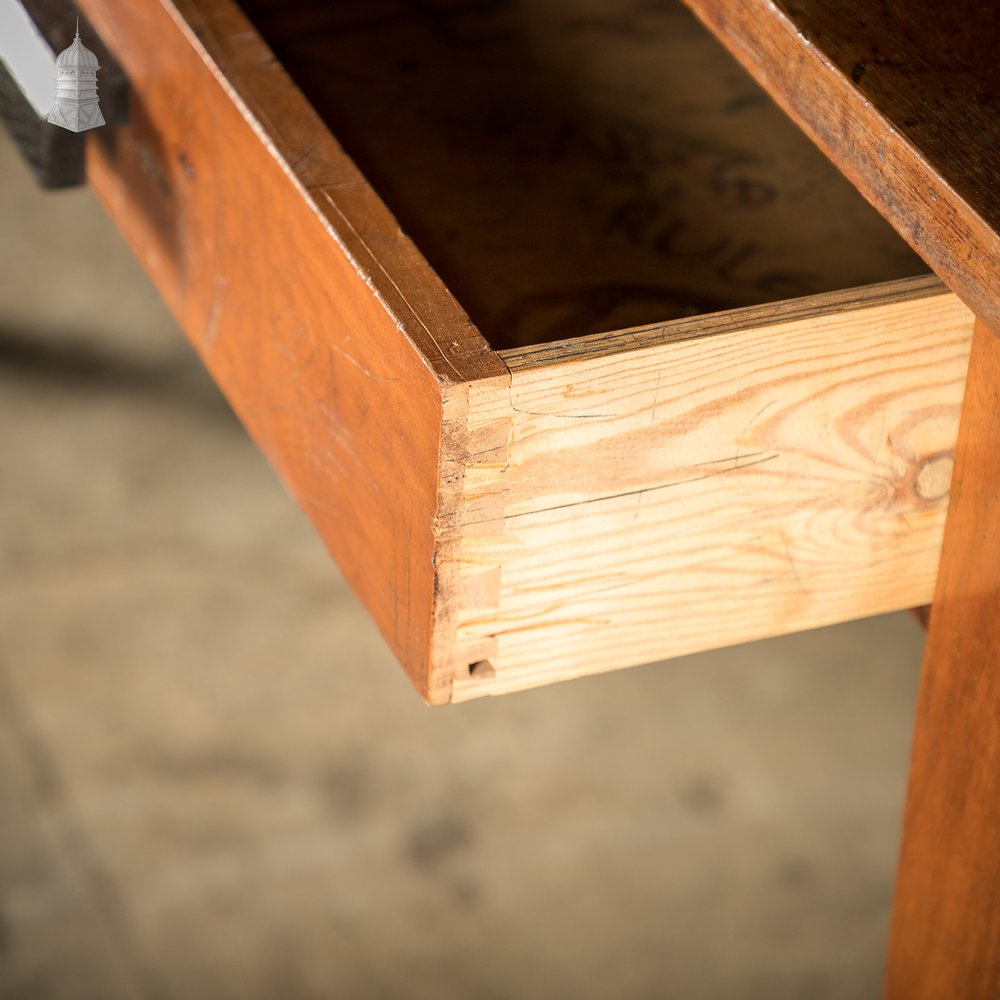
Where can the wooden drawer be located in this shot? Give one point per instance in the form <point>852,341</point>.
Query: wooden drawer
<point>635,374</point>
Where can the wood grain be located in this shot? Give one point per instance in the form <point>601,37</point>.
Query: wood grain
<point>946,920</point>
<point>661,491</point>
<point>904,97</point>
<point>600,165</point>
<point>563,508</point>
<point>320,321</point>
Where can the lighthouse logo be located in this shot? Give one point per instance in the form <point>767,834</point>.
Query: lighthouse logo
<point>76,106</point>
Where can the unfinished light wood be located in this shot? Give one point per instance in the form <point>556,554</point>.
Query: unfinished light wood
<point>662,491</point>
<point>328,333</point>
<point>905,99</point>
<point>577,166</point>
<point>946,919</point>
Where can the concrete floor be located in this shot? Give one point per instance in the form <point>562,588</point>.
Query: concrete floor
<point>215,782</point>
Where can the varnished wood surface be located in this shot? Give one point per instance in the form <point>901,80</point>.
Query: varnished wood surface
<point>578,166</point>
<point>904,96</point>
<point>706,482</point>
<point>946,919</point>
<point>318,319</point>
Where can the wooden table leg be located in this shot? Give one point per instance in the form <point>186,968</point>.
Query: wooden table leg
<point>945,940</point>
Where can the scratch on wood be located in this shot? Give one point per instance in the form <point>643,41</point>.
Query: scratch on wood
<point>746,429</point>
<point>735,459</point>
<point>357,364</point>
<point>302,158</point>
<point>215,314</point>
<point>791,558</point>
<point>630,493</point>
<point>560,416</point>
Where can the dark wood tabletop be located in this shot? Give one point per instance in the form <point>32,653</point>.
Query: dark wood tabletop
<point>904,96</point>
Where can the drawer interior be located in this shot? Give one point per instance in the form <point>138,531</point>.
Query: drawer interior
<point>578,166</point>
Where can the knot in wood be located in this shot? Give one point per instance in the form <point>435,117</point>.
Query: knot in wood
<point>933,478</point>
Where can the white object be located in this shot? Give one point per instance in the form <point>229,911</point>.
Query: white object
<point>76,106</point>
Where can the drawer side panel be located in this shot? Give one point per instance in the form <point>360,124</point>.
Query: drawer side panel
<point>734,484</point>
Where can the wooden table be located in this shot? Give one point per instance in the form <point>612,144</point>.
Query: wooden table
<point>628,465</point>
<point>905,98</point>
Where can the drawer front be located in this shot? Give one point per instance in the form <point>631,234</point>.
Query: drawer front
<point>313,312</point>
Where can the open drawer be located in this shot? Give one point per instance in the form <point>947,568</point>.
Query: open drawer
<point>580,356</point>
